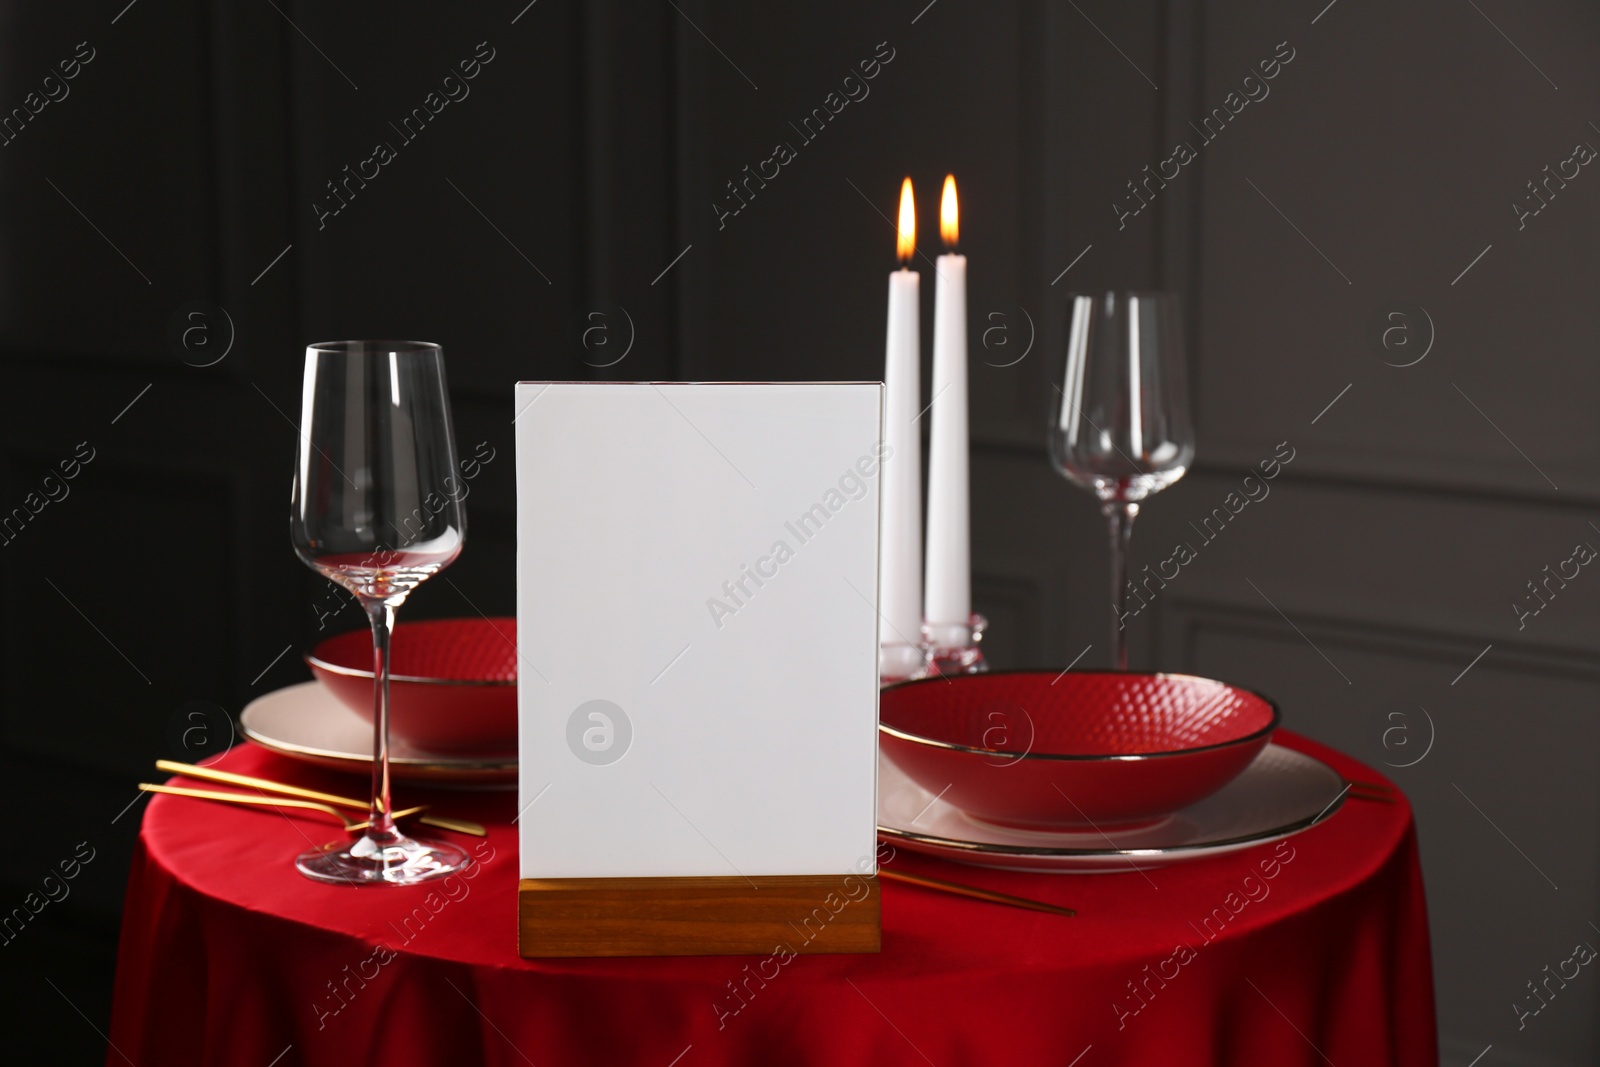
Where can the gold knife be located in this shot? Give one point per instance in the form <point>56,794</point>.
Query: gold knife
<point>211,774</point>
<point>973,892</point>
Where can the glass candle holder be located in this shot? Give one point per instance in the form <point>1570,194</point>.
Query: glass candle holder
<point>900,662</point>
<point>956,648</point>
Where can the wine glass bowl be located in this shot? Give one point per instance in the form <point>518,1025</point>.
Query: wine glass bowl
<point>1127,480</point>
<point>383,574</point>
<point>1121,418</point>
<point>377,508</point>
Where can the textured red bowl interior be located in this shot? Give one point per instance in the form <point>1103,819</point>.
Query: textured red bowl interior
<point>1089,750</point>
<point>1077,714</point>
<point>456,650</point>
<point>452,685</point>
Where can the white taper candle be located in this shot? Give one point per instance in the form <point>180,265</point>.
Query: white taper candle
<point>949,585</point>
<point>900,570</point>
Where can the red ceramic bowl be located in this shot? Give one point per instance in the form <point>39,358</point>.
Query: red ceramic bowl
<point>452,682</point>
<point>1089,750</point>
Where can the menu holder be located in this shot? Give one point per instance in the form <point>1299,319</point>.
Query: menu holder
<point>697,574</point>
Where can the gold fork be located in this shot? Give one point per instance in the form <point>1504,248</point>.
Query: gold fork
<point>271,802</point>
<point>211,774</point>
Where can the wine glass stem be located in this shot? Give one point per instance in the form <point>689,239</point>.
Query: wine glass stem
<point>1120,516</point>
<point>381,613</point>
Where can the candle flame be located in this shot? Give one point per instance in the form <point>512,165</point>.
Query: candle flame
<point>948,215</point>
<point>907,242</point>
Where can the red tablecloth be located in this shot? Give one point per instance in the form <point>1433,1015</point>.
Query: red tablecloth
<point>1309,951</point>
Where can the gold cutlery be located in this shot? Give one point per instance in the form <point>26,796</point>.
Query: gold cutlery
<point>1374,791</point>
<point>974,893</point>
<point>211,774</point>
<point>270,802</point>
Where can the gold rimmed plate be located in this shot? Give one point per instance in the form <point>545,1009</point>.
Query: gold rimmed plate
<point>306,722</point>
<point>1281,793</point>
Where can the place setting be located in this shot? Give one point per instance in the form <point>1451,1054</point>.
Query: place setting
<point>1082,770</point>
<point>453,710</point>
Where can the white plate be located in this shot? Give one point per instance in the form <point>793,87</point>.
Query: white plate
<point>1281,793</point>
<point>307,722</point>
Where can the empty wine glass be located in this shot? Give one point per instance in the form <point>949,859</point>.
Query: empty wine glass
<point>1121,426</point>
<point>378,509</point>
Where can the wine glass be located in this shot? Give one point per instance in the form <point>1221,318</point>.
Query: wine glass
<point>1121,426</point>
<point>378,509</point>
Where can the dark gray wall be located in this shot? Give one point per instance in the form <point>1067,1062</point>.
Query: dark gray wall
<point>587,161</point>
<point>1421,504</point>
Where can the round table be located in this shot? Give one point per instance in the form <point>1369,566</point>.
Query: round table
<point>1311,950</point>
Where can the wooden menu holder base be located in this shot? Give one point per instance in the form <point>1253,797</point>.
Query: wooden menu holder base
<point>697,916</point>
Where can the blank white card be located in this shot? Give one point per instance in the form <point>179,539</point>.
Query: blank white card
<point>697,575</point>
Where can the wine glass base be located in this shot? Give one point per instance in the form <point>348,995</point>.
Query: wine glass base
<point>399,861</point>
